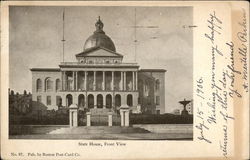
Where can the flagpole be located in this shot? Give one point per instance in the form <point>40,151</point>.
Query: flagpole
<point>63,40</point>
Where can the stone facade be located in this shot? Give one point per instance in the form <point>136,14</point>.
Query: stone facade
<point>152,90</point>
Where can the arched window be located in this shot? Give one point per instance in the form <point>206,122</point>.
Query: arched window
<point>108,101</point>
<point>99,101</point>
<point>48,84</point>
<point>58,84</point>
<point>130,100</point>
<point>157,84</point>
<point>81,100</point>
<point>90,101</point>
<point>69,100</point>
<point>38,85</point>
<point>117,100</point>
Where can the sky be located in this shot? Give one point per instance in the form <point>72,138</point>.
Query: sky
<point>36,34</point>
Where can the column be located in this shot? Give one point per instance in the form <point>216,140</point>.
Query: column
<point>125,87</point>
<point>121,82</point>
<point>122,118</point>
<point>95,101</point>
<point>76,80</point>
<point>88,119</point>
<point>75,119</point>
<point>136,80</point>
<point>85,80</point>
<point>66,81</point>
<point>112,81</point>
<point>73,73</point>
<point>110,119</point>
<point>104,101</point>
<point>70,119</point>
<point>133,84</point>
<point>63,79</point>
<point>94,84</point>
<point>103,80</point>
<point>126,118</point>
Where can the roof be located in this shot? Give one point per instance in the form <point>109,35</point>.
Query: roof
<point>152,70</point>
<point>99,38</point>
<point>89,50</point>
<point>46,69</point>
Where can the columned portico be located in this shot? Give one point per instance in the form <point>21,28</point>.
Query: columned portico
<point>109,78</point>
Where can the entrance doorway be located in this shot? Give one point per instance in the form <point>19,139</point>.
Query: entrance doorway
<point>99,101</point>
<point>69,100</point>
<point>90,101</point>
<point>81,101</point>
<point>108,101</point>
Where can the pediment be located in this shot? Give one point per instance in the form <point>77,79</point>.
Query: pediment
<point>99,52</point>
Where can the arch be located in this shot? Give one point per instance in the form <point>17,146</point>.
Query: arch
<point>117,100</point>
<point>99,101</point>
<point>130,100</point>
<point>81,100</point>
<point>69,100</point>
<point>90,101</point>
<point>48,84</point>
<point>108,101</point>
<point>157,84</point>
<point>39,85</point>
<point>58,84</point>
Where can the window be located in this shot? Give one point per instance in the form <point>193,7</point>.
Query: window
<point>58,101</point>
<point>157,85</point>
<point>58,84</point>
<point>39,98</point>
<point>146,89</point>
<point>157,100</point>
<point>38,85</point>
<point>157,111</point>
<point>48,84</point>
<point>48,100</point>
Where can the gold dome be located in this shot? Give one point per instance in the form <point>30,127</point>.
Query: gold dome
<point>99,38</point>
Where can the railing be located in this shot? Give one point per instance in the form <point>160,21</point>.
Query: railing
<point>99,64</point>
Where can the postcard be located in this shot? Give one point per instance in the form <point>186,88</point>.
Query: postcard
<point>124,80</point>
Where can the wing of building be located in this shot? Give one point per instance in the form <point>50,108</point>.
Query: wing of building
<point>99,79</point>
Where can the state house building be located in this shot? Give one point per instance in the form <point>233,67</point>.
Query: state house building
<point>99,80</point>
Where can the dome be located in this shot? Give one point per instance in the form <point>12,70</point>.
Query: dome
<point>99,39</point>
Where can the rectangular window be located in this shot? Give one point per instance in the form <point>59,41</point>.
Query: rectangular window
<point>58,101</point>
<point>39,98</point>
<point>48,100</point>
<point>157,111</point>
<point>157,100</point>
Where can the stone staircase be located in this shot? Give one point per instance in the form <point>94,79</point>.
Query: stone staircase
<point>99,130</point>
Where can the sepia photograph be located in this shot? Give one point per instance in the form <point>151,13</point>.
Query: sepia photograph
<point>101,72</point>
<point>124,80</point>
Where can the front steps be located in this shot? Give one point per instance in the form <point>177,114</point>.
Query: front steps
<point>98,130</point>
